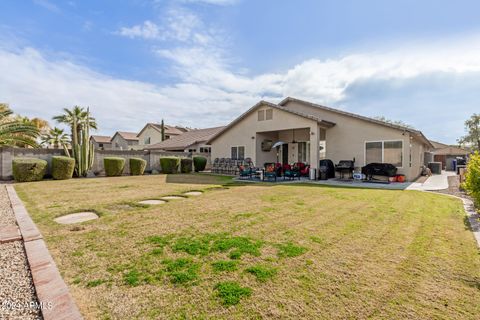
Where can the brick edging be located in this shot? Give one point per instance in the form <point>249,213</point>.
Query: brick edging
<point>52,292</point>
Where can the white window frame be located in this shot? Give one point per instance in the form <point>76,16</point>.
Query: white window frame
<point>261,112</point>
<point>383,150</point>
<point>270,110</point>
<point>244,151</point>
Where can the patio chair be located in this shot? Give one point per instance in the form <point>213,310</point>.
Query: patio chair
<point>305,172</point>
<point>245,172</point>
<point>291,173</point>
<point>270,172</point>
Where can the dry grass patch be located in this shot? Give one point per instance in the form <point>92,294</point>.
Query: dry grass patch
<point>259,251</point>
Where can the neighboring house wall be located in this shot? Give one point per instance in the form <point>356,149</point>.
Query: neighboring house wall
<point>119,143</point>
<point>102,146</point>
<point>150,136</point>
<point>346,140</point>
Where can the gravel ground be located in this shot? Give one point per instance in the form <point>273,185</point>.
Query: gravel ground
<point>17,293</point>
<point>6,214</point>
<point>454,188</point>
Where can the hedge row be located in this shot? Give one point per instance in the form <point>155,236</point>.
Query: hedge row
<point>32,169</point>
<point>472,178</point>
<point>28,169</point>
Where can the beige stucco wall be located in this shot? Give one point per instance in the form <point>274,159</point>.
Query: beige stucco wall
<point>346,140</point>
<point>154,135</point>
<point>249,132</point>
<point>122,143</point>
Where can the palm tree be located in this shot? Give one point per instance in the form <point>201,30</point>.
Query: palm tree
<point>57,138</point>
<point>75,118</point>
<point>14,132</point>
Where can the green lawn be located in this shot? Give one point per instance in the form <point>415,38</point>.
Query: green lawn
<point>258,251</point>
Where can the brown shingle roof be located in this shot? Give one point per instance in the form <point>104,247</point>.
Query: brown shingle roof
<point>127,135</point>
<point>186,139</point>
<point>101,139</point>
<point>169,130</point>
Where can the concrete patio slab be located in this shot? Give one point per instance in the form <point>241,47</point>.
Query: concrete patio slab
<point>76,217</point>
<point>433,183</point>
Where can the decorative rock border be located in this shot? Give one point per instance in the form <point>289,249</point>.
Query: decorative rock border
<point>52,292</point>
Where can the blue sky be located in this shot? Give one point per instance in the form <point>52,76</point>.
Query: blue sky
<point>203,62</point>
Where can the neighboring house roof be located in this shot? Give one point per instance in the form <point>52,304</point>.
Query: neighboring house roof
<point>439,145</point>
<point>272,105</point>
<point>416,132</point>
<point>101,139</point>
<point>186,139</point>
<point>132,136</point>
<point>170,130</point>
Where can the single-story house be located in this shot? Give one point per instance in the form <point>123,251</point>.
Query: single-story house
<point>101,142</point>
<point>190,141</point>
<point>123,140</point>
<point>152,134</point>
<point>446,154</point>
<point>311,132</point>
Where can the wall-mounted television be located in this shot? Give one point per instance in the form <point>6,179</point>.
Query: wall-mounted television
<point>267,145</point>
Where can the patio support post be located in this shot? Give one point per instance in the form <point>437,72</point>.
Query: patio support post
<point>314,146</point>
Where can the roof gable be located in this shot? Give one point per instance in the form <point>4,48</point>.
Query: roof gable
<point>187,139</point>
<point>132,136</point>
<point>415,132</point>
<point>271,105</point>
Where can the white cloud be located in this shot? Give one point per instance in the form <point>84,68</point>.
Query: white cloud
<point>147,30</point>
<point>395,82</point>
<point>178,24</point>
<point>47,5</point>
<point>214,2</point>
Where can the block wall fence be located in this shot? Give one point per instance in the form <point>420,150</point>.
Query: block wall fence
<point>7,154</point>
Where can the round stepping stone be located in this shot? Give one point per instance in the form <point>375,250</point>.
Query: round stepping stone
<point>152,202</point>
<point>193,193</point>
<point>76,217</point>
<point>172,197</point>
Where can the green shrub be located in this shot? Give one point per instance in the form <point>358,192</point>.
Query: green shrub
<point>169,164</point>
<point>113,166</point>
<point>186,165</point>
<point>62,167</point>
<point>137,166</point>
<point>199,163</point>
<point>472,177</point>
<point>28,169</point>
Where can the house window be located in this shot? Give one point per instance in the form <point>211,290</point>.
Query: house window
<point>238,153</point>
<point>167,137</point>
<point>100,145</point>
<point>269,114</point>
<point>384,152</point>
<point>205,150</point>
<point>393,152</point>
<point>261,115</point>
<point>147,140</point>
<point>304,152</point>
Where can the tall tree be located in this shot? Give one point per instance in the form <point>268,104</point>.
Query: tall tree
<point>472,138</point>
<point>80,123</point>
<point>76,118</point>
<point>57,138</point>
<point>162,130</point>
<point>14,132</point>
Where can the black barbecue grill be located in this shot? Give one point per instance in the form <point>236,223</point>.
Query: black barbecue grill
<point>345,167</point>
<point>379,169</point>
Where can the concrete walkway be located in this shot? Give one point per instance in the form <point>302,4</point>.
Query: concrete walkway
<point>433,183</point>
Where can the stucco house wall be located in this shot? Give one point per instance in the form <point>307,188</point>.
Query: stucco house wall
<point>149,132</point>
<point>244,133</point>
<point>119,143</point>
<point>346,140</point>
